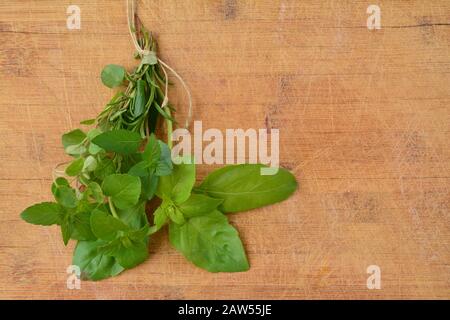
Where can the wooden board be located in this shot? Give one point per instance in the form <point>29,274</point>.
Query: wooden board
<point>364,125</point>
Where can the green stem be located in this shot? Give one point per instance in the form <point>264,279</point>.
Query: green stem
<point>169,128</point>
<point>113,209</point>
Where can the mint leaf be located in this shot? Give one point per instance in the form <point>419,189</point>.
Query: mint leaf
<point>105,167</point>
<point>89,164</point>
<point>67,228</point>
<point>66,196</point>
<point>73,138</point>
<point>130,249</point>
<point>82,227</point>
<point>75,167</point>
<point>140,169</point>
<point>105,226</point>
<point>119,141</point>
<point>135,216</point>
<point>94,191</point>
<point>113,75</point>
<point>123,189</point>
<point>60,181</point>
<point>45,214</point>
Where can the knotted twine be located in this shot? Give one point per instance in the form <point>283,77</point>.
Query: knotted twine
<point>143,52</point>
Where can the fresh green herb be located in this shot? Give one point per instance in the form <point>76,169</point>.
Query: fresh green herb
<point>242,187</point>
<point>113,75</point>
<point>119,165</point>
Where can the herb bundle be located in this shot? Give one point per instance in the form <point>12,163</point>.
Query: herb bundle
<point>119,165</point>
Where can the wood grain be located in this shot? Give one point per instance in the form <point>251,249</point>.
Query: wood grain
<point>364,125</point>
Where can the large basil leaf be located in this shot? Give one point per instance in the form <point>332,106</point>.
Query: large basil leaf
<point>210,242</point>
<point>242,187</point>
<point>94,264</point>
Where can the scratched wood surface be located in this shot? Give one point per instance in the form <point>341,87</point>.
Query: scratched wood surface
<point>364,125</point>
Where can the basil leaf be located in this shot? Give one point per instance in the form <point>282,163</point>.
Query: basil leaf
<point>44,214</point>
<point>178,185</point>
<point>123,189</point>
<point>119,141</point>
<point>198,205</point>
<point>175,215</point>
<point>105,226</point>
<point>75,167</point>
<point>210,242</point>
<point>113,75</point>
<point>242,187</point>
<point>94,265</point>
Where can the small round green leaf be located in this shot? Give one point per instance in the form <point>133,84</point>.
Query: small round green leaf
<point>113,75</point>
